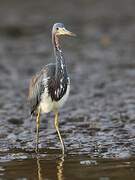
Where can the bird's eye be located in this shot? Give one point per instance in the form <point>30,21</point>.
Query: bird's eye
<point>57,28</point>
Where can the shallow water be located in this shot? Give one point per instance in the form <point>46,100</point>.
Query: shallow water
<point>98,121</point>
<point>71,167</point>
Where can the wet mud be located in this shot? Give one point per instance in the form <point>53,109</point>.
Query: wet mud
<point>99,118</point>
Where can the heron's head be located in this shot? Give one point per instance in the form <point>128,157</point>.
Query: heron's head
<point>60,30</point>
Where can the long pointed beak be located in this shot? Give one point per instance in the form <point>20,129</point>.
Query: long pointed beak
<point>69,33</point>
<point>64,31</point>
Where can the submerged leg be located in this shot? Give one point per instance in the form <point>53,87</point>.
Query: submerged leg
<point>37,129</point>
<point>57,128</point>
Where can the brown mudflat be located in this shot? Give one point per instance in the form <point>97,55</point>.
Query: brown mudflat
<point>98,121</point>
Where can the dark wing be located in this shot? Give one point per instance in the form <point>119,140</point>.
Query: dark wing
<point>37,86</point>
<point>35,89</point>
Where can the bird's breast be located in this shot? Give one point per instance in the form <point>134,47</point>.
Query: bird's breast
<point>57,88</point>
<point>47,104</point>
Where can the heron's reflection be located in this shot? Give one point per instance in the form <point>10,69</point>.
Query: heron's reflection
<point>59,167</point>
<point>60,163</point>
<point>39,173</point>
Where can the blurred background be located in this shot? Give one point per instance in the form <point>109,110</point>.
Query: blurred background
<point>99,118</point>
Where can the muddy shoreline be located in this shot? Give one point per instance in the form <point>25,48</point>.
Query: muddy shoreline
<point>99,118</point>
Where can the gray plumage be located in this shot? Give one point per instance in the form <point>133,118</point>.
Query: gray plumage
<point>56,86</point>
<point>49,89</point>
<point>53,78</point>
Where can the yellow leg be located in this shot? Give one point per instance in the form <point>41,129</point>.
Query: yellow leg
<point>57,128</point>
<point>37,129</point>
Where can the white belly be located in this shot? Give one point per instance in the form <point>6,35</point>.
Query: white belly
<point>47,105</point>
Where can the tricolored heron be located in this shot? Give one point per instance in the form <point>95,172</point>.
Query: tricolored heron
<point>49,89</point>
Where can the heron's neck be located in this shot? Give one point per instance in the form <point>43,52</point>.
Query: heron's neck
<point>60,61</point>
